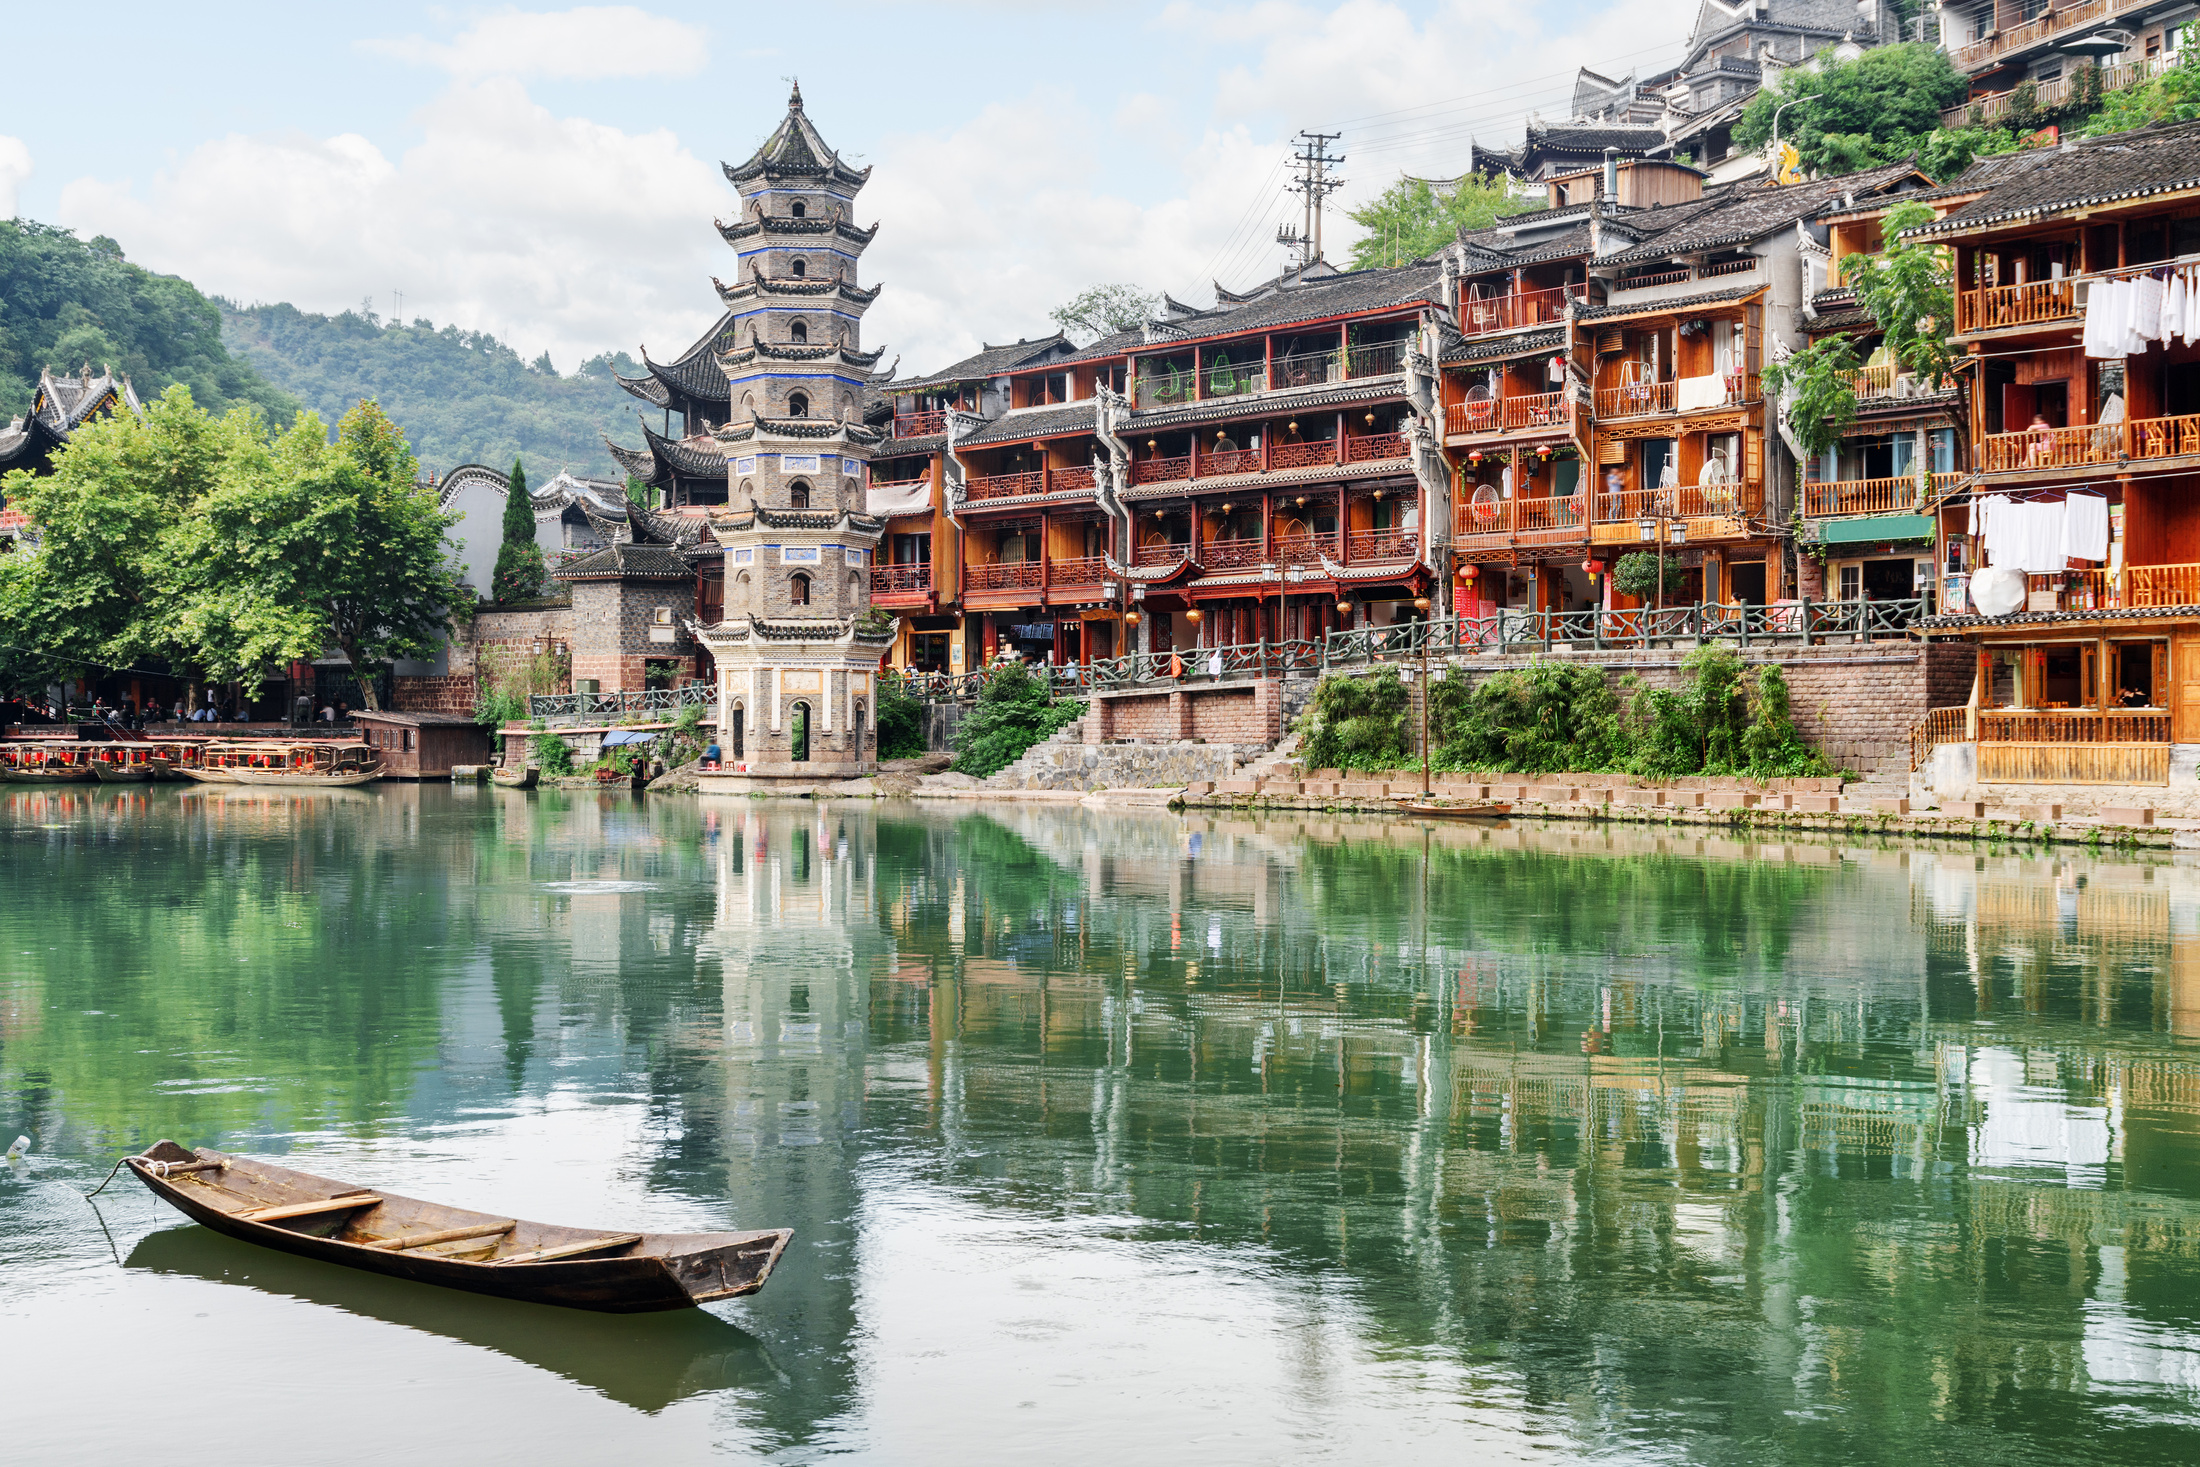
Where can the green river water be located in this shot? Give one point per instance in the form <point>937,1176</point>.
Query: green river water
<point>1105,1137</point>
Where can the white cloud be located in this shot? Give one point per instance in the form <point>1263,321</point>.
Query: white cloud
<point>15,166</point>
<point>590,42</point>
<point>552,232</point>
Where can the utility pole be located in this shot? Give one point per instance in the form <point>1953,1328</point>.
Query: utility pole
<point>1314,184</point>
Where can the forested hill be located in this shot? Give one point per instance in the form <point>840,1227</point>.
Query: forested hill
<point>461,396</point>
<point>66,303</point>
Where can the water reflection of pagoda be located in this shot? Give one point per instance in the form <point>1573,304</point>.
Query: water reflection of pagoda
<point>795,942</point>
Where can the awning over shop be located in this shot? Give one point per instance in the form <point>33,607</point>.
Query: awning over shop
<point>617,736</point>
<point>1881,527</point>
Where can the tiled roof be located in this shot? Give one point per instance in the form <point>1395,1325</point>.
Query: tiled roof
<point>1492,349</point>
<point>1660,307</point>
<point>623,560</point>
<point>414,720</point>
<point>1349,293</point>
<point>1593,138</point>
<point>1270,404</point>
<point>2087,171</point>
<point>989,362</point>
<point>1044,422</point>
<point>1114,344</point>
<point>1756,210</point>
<point>683,458</point>
<point>1842,320</point>
<point>796,151</point>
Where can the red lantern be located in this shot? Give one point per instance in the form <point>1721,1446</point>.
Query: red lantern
<point>1543,451</point>
<point>1475,458</point>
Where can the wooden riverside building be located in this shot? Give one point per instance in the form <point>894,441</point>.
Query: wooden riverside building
<point>2096,679</point>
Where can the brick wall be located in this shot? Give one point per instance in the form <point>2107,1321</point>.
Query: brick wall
<point>433,694</point>
<point>1227,713</point>
<point>615,630</point>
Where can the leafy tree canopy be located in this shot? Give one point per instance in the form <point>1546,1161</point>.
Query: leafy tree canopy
<point>66,303</point>
<point>1817,391</point>
<point>1410,220</point>
<point>464,396</point>
<point>1879,108</point>
<point>2174,96</point>
<point>1104,310</point>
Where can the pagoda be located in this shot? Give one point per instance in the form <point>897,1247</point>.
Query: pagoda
<point>773,432</point>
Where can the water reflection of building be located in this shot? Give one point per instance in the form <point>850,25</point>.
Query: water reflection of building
<point>795,943</point>
<point>1564,1059</point>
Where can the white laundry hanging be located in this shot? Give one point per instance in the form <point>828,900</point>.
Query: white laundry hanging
<point>2085,527</point>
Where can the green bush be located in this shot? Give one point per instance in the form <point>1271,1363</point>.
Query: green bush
<point>1014,711</point>
<point>900,721</point>
<point>494,706</point>
<point>1357,722</point>
<point>1771,743</point>
<point>1547,717</point>
<point>552,753</point>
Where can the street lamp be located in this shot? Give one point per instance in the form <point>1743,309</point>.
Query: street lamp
<point>1814,96</point>
<point>1422,604</point>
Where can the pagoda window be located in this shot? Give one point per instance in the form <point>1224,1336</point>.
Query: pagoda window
<point>798,494</point>
<point>801,268</point>
<point>798,591</point>
<point>798,209</point>
<point>800,331</point>
<point>798,405</point>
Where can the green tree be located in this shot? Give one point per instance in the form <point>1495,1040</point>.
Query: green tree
<point>900,720</point>
<point>66,303</point>
<point>521,572</point>
<point>1944,155</point>
<point>1411,220</point>
<point>1909,292</point>
<point>1357,722</point>
<point>94,592</point>
<point>1014,711</point>
<point>1876,109</point>
<point>1104,310</point>
<point>1817,391</point>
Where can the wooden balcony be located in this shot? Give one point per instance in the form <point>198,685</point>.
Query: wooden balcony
<point>1245,554</point>
<point>1374,448</point>
<point>1303,455</point>
<point>2009,38</point>
<point>1558,520</point>
<point>2034,303</point>
<point>1688,501</point>
<point>1871,496</point>
<point>1874,381</point>
<point>1300,549</point>
<point>1635,400</point>
<point>1376,359</point>
<point>1230,461</point>
<point>1480,316</point>
<point>1506,415</point>
<point>2073,746</point>
<point>919,425</point>
<point>1063,481</point>
<point>1161,470</point>
<point>1005,486</point>
<point>1168,554</point>
<point>1083,572</point>
<point>1361,545</point>
<point>901,580</point>
<point>1018,575</point>
<point>2092,445</point>
<point>1993,111</point>
<point>2106,590</point>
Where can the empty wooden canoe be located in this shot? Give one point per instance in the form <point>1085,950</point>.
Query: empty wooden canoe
<point>1471,810</point>
<point>516,779</point>
<point>582,1268</point>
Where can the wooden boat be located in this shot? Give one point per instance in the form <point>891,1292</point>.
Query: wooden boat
<point>1471,810</point>
<point>59,761</point>
<point>211,762</point>
<point>360,1227</point>
<point>310,766</point>
<point>130,763</point>
<point>516,779</point>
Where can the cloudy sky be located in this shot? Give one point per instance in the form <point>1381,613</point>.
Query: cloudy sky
<point>551,174</point>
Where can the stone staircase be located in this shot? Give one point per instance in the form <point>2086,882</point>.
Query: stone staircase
<point>1065,761</point>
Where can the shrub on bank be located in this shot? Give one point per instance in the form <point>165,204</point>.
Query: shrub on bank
<point>1552,716</point>
<point>1014,711</point>
<point>900,720</point>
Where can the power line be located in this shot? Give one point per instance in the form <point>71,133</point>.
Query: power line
<point>1314,185</point>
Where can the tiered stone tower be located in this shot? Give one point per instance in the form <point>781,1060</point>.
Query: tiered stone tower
<point>797,651</point>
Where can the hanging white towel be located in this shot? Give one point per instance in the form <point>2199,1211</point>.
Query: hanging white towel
<point>2146,312</point>
<point>2085,527</point>
<point>2026,536</point>
<point>2105,304</point>
<point>2173,307</point>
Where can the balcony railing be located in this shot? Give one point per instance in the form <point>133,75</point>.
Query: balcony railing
<point>638,700</point>
<point>1635,400</point>
<point>1161,470</point>
<point>1299,549</point>
<point>1015,575</point>
<point>1230,461</point>
<point>2106,590</point>
<point>2072,726</point>
<point>1063,481</point>
<point>1305,369</point>
<point>1377,359</point>
<point>1166,554</point>
<point>1685,501</point>
<point>1478,316</point>
<point>1655,277</point>
<point>1382,545</point>
<point>1991,307</point>
<point>1224,379</point>
<point>1004,486</point>
<point>1374,447</point>
<point>900,580</point>
<point>1871,496</point>
<point>2090,445</point>
<point>1303,455</point>
<point>2048,95</point>
<point>2006,40</point>
<point>1233,554</point>
<point>1874,381</point>
<point>918,425</point>
<point>1718,268</point>
<point>1083,570</point>
<point>1556,519</point>
<point>1507,415</point>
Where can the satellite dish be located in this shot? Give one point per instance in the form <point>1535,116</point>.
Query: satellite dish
<point>1998,590</point>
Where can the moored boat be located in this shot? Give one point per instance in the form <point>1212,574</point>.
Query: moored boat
<point>1469,810</point>
<point>212,762</point>
<point>367,1228</point>
<point>310,766</point>
<point>516,779</point>
<point>56,761</point>
<point>129,763</point>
